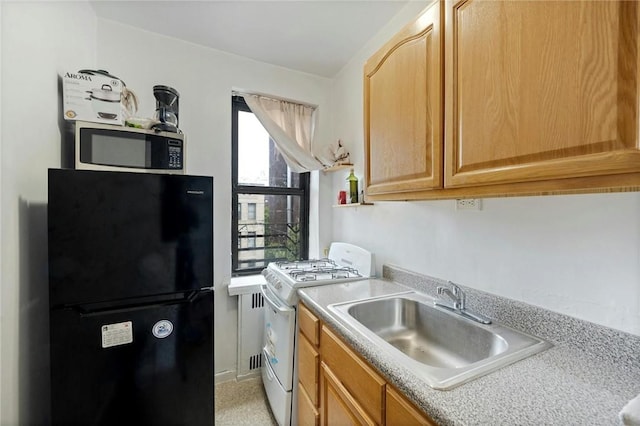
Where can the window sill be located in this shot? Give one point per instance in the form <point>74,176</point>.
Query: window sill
<point>246,284</point>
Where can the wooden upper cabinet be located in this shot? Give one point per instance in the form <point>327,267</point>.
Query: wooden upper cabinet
<point>403,109</point>
<point>539,90</point>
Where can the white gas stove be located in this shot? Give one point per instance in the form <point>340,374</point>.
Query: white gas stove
<point>345,262</point>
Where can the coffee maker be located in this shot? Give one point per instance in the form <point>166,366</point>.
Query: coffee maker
<point>166,109</point>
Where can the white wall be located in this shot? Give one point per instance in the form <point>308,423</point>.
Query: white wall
<point>39,41</point>
<point>2,347</point>
<point>205,79</point>
<point>575,254</point>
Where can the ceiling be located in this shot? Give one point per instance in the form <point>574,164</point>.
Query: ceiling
<point>317,37</point>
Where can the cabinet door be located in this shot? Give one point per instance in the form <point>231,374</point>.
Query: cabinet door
<point>540,90</point>
<point>360,380</point>
<point>339,407</point>
<point>403,109</point>
<point>307,413</point>
<point>402,412</point>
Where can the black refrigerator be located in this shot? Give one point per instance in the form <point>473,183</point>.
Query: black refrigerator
<point>131,298</point>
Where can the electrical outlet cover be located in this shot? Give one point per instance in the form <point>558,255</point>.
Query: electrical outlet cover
<point>469,204</point>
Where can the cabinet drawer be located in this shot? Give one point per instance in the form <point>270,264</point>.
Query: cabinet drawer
<point>308,368</point>
<point>362,382</point>
<point>307,413</point>
<point>402,412</point>
<point>309,324</point>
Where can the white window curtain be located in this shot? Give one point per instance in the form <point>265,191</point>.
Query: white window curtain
<point>291,126</point>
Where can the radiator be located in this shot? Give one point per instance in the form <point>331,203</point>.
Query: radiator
<point>250,334</point>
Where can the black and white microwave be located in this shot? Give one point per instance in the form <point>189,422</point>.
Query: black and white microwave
<point>117,148</point>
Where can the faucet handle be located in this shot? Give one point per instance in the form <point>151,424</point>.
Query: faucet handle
<point>457,291</point>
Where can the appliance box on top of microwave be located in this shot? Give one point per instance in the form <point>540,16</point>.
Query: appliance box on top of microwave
<point>128,149</point>
<point>93,98</point>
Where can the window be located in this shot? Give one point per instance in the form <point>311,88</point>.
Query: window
<point>251,239</point>
<point>275,200</point>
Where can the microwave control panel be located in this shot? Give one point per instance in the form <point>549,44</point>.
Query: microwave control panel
<point>175,157</point>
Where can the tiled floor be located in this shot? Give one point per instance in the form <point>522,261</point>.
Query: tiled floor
<point>242,403</point>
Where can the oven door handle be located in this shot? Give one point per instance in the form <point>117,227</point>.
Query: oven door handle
<point>275,305</point>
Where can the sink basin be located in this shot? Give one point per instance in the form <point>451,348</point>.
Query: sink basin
<point>442,347</point>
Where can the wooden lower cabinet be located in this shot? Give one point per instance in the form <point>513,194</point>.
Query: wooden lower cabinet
<point>355,375</point>
<point>308,369</point>
<point>399,411</point>
<point>350,391</point>
<point>307,411</point>
<point>338,406</point>
<point>309,325</point>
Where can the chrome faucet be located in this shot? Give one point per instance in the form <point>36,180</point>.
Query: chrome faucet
<point>455,293</point>
<point>458,304</point>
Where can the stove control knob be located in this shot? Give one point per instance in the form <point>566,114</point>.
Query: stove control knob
<point>278,286</point>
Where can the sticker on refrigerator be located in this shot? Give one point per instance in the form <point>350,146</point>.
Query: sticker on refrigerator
<point>162,329</point>
<point>117,334</point>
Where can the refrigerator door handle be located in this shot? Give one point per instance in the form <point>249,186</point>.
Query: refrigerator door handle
<point>90,309</point>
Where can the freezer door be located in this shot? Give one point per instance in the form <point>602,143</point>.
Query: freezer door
<point>145,365</point>
<point>116,235</point>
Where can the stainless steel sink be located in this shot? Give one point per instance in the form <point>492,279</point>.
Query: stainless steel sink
<point>443,348</point>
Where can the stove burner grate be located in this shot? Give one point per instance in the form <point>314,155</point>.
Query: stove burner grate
<point>323,274</point>
<point>306,265</point>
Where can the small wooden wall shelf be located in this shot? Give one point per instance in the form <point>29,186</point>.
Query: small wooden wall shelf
<point>338,167</point>
<point>353,205</point>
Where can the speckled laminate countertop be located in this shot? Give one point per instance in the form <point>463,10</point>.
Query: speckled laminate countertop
<point>586,378</point>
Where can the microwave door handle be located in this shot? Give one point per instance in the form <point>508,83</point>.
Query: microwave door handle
<point>275,305</point>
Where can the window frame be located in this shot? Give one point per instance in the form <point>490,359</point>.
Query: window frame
<point>238,104</point>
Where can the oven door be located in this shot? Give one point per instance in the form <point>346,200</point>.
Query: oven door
<point>279,337</point>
